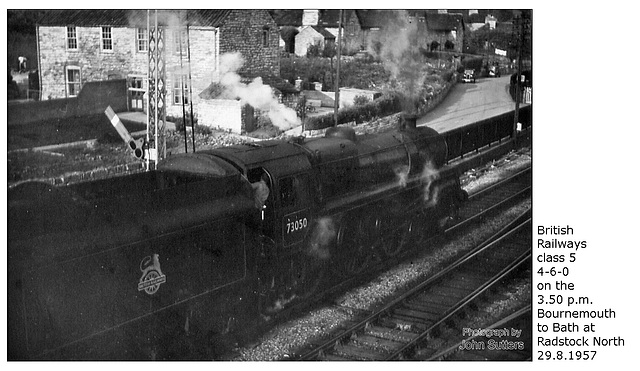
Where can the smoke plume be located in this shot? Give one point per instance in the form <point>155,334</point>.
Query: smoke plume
<point>256,94</point>
<point>400,55</point>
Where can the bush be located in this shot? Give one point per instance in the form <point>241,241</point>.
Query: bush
<point>356,73</point>
<point>199,129</point>
<point>361,100</point>
<point>314,51</point>
<point>447,75</point>
<point>383,106</point>
<point>448,45</point>
<point>474,63</point>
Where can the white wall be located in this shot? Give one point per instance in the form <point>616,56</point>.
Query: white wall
<point>224,114</point>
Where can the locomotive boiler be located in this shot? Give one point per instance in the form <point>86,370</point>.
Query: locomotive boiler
<point>169,262</point>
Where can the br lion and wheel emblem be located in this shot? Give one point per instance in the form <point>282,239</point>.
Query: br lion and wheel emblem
<point>152,276</point>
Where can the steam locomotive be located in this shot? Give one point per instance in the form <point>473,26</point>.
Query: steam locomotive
<point>174,261</point>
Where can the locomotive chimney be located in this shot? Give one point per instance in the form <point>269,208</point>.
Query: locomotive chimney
<point>409,121</point>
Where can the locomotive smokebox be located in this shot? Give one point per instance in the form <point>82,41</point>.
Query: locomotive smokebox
<point>409,121</point>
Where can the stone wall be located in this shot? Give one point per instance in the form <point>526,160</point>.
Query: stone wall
<point>353,36</point>
<point>203,53</point>
<point>94,63</point>
<point>244,31</point>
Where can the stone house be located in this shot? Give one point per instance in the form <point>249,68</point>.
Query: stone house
<point>352,33</point>
<point>312,35</point>
<point>373,24</point>
<point>293,21</point>
<point>447,29</point>
<point>80,46</point>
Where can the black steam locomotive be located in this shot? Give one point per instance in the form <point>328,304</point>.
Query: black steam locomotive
<point>212,242</point>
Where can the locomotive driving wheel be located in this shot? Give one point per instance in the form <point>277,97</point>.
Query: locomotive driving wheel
<point>355,250</point>
<point>398,239</point>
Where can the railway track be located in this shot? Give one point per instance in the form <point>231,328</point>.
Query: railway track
<point>518,347</point>
<point>492,198</point>
<point>411,320</point>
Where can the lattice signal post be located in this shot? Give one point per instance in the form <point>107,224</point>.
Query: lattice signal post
<point>156,95</point>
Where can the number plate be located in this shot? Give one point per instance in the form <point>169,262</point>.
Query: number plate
<point>295,226</point>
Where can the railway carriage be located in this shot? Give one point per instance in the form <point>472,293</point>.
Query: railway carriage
<point>176,261</point>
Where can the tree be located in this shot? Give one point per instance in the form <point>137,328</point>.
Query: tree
<point>521,33</point>
<point>288,35</point>
<point>448,45</point>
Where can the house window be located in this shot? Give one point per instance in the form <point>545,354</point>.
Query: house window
<point>73,81</point>
<point>265,37</point>
<point>142,40</point>
<point>107,40</point>
<point>180,90</point>
<point>72,38</point>
<point>180,42</point>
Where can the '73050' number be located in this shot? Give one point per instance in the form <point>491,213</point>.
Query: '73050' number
<point>296,225</point>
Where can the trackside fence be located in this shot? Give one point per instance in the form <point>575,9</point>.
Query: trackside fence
<point>470,139</point>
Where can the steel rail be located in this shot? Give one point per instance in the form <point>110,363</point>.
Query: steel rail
<point>462,304</point>
<point>495,206</point>
<point>500,323</point>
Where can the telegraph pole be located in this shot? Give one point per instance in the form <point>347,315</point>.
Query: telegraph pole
<point>520,24</point>
<point>336,103</point>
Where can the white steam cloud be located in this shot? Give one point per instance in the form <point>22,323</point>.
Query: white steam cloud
<point>323,234</point>
<point>255,94</point>
<point>402,174</point>
<point>429,175</point>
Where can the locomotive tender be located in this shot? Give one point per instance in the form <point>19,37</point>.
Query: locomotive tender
<point>129,267</point>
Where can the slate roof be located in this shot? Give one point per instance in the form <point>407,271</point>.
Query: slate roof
<point>287,17</point>
<point>330,17</point>
<point>375,18</point>
<point>323,31</point>
<point>133,17</point>
<point>444,22</point>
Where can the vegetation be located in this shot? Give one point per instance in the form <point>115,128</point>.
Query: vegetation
<point>504,36</point>
<point>21,36</point>
<point>385,105</point>
<point>354,73</point>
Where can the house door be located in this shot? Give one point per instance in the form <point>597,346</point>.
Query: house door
<point>137,88</point>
